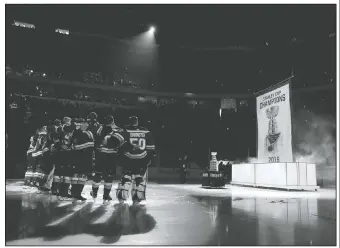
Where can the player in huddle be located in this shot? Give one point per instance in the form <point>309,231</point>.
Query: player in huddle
<point>31,161</point>
<point>109,139</point>
<point>43,156</point>
<point>93,124</point>
<point>70,147</point>
<point>83,145</point>
<point>137,150</point>
<point>66,157</point>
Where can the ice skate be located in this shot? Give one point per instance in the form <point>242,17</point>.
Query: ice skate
<point>55,192</point>
<point>32,183</point>
<point>135,201</point>
<point>76,192</point>
<point>94,195</point>
<point>65,197</point>
<point>80,198</point>
<point>106,196</point>
<point>36,184</point>
<point>43,190</point>
<point>55,188</point>
<point>107,199</point>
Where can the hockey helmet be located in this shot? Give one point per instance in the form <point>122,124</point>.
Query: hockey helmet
<point>133,120</point>
<point>67,121</point>
<point>109,120</point>
<point>57,122</point>
<point>92,117</point>
<point>67,128</point>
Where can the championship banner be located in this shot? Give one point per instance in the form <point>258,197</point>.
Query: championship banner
<point>274,129</point>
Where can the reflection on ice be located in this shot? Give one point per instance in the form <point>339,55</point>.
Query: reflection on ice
<point>270,221</point>
<point>185,215</point>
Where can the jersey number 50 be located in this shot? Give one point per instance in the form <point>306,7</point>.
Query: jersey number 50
<point>141,143</point>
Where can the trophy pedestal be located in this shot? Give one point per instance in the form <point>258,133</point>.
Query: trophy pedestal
<point>288,176</point>
<point>213,179</point>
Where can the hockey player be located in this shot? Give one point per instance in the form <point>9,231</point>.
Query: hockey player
<point>109,137</point>
<point>93,128</point>
<point>56,136</point>
<point>29,175</point>
<point>83,144</point>
<point>64,167</point>
<point>44,163</point>
<point>58,126</point>
<point>93,123</point>
<point>137,156</point>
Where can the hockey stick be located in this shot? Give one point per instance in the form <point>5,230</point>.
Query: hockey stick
<point>49,180</point>
<point>146,178</point>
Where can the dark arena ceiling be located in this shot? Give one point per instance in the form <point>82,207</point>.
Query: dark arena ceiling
<point>199,48</point>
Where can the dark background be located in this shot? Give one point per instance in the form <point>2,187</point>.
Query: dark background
<point>200,49</point>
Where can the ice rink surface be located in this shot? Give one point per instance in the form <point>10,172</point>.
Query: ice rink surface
<point>174,215</point>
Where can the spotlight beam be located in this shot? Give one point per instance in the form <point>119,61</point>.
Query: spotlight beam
<point>152,29</point>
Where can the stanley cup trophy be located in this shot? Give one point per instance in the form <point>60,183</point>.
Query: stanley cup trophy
<point>273,134</point>
<point>213,177</point>
<point>213,162</point>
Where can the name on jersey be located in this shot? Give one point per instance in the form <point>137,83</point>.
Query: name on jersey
<point>137,135</point>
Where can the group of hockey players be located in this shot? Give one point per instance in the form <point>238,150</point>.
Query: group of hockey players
<point>73,151</point>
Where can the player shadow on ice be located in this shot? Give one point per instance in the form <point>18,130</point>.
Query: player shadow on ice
<point>39,215</point>
<point>123,220</point>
